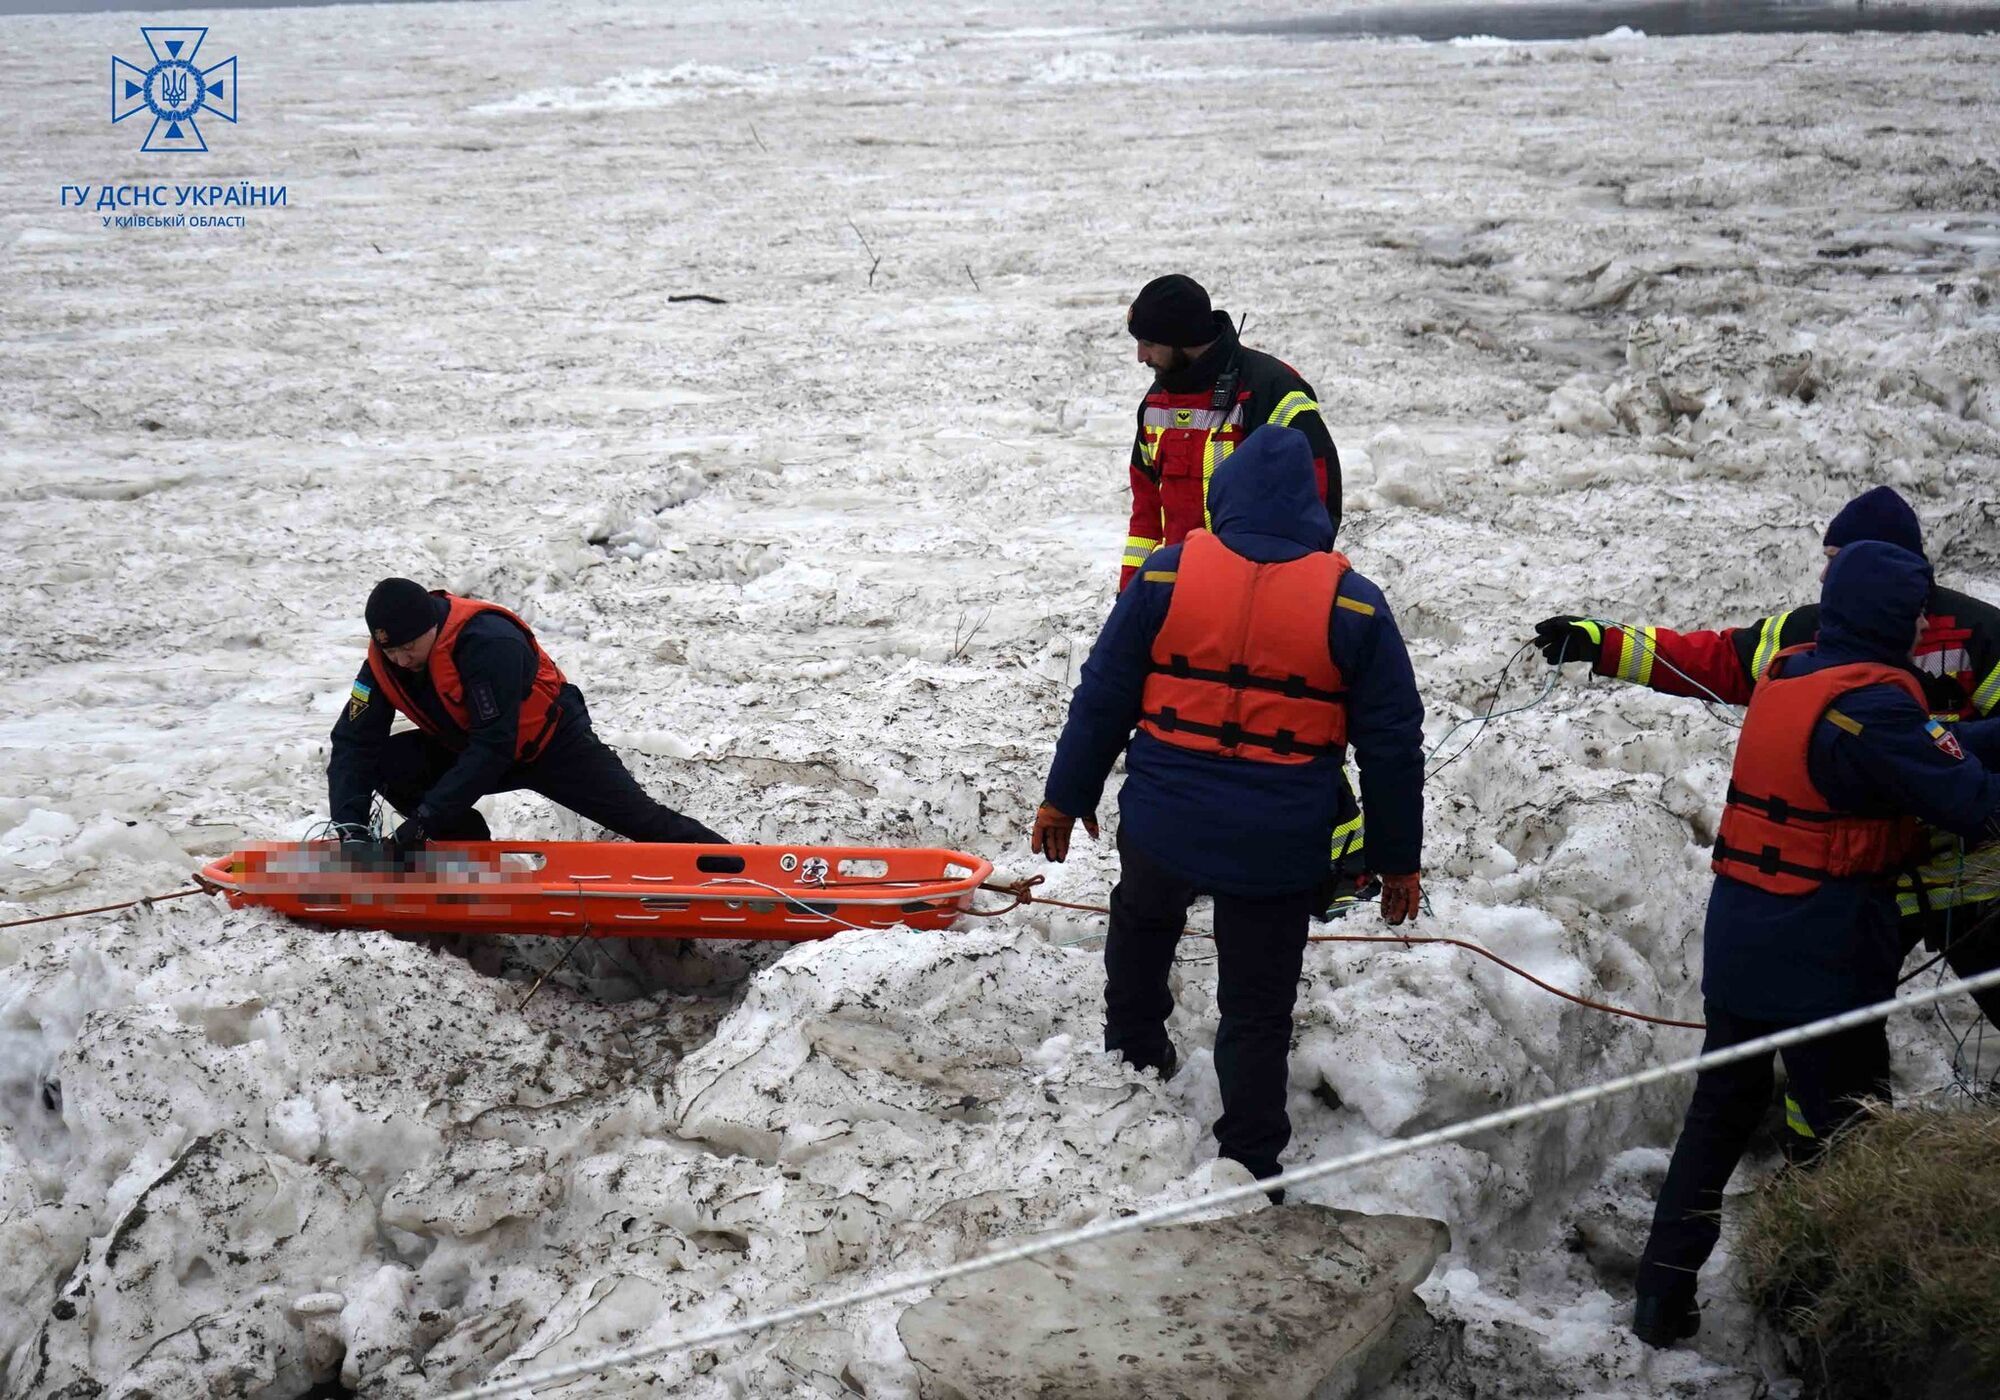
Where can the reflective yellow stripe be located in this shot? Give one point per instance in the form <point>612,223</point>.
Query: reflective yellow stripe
<point>1290,407</point>
<point>1941,880</point>
<point>1212,453</point>
<point>1136,550</point>
<point>1988,694</point>
<point>1767,644</point>
<point>1158,576</point>
<point>1354,605</point>
<point>1841,721</point>
<point>1149,446</point>
<point>1635,654</point>
<point>1347,838</point>
<point>1795,1118</point>
<point>1946,896</point>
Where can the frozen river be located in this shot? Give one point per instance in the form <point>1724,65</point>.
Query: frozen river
<point>1534,21</point>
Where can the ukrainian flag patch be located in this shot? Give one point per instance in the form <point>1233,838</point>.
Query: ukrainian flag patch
<point>1945,739</point>
<point>357,700</point>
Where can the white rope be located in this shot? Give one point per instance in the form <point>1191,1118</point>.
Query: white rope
<point>1653,647</point>
<point>795,902</point>
<point>1088,1234</point>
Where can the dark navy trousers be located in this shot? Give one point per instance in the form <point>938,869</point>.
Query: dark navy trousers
<point>1828,1079</point>
<point>578,771</point>
<point>1260,945</point>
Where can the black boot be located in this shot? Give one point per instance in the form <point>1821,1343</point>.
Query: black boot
<point>1164,1067</point>
<point>1660,1322</point>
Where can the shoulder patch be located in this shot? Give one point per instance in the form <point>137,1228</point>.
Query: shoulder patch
<point>357,700</point>
<point>1842,721</point>
<point>485,708</point>
<point>1945,739</point>
<point>1159,576</point>
<point>1354,605</point>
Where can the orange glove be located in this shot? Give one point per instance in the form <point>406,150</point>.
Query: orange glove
<point>1401,897</point>
<point>1050,837</point>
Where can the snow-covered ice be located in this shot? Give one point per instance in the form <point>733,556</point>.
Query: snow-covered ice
<point>1607,327</point>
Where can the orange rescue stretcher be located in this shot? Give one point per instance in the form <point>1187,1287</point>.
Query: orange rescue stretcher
<point>607,889</point>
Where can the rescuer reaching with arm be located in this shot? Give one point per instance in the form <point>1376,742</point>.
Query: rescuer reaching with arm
<point>1247,660</point>
<point>1837,763</point>
<point>1957,659</point>
<point>493,714</point>
<point>1209,392</point>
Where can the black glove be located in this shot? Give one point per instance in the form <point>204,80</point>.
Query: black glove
<point>1569,638</point>
<point>409,838</point>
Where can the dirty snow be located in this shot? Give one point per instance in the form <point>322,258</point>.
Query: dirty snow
<point>1605,327</point>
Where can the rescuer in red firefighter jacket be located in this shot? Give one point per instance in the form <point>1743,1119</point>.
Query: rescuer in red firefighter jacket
<point>1247,660</point>
<point>1209,391</point>
<point>1957,658</point>
<point>493,714</point>
<point>1837,761</point>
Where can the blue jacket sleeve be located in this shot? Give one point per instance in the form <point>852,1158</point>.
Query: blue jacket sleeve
<point>497,671</point>
<point>1898,763</point>
<point>358,736</point>
<point>1981,738</point>
<point>1105,708</point>
<point>1385,725</point>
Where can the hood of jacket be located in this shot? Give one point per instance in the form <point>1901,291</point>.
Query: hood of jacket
<point>1264,498</point>
<point>1870,602</point>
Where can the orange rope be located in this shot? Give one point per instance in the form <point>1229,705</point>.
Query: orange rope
<point>1022,892</point>
<point>1518,972</point>
<point>150,899</point>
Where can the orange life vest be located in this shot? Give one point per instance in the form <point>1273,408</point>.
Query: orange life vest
<point>1242,666</point>
<point>1779,833</point>
<point>539,711</point>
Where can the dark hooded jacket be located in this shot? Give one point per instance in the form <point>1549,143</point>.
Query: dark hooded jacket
<point>1234,825</point>
<point>1799,957</point>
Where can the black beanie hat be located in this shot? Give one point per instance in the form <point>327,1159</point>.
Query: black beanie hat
<point>1877,514</point>
<point>399,612</point>
<point>1172,310</point>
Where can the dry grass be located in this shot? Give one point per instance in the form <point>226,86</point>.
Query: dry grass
<point>1885,1260</point>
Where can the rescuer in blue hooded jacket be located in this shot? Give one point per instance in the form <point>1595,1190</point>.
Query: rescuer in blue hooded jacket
<point>1252,826</point>
<point>1788,941</point>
